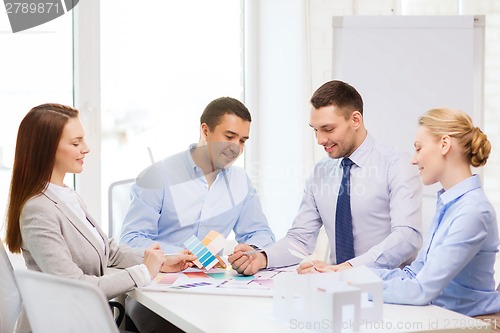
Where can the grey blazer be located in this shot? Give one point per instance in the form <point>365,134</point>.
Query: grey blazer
<point>56,241</point>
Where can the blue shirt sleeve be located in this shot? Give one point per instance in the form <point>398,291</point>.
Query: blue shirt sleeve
<point>423,281</point>
<point>252,227</point>
<point>140,227</point>
<point>303,234</point>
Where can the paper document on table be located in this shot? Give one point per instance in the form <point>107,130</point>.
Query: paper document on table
<point>217,281</point>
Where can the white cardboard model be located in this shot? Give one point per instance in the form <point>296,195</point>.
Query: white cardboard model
<point>329,302</point>
<point>370,284</point>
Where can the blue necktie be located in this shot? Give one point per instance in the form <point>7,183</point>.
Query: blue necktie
<point>344,243</point>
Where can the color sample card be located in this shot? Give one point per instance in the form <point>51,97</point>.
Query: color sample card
<point>265,283</point>
<point>166,278</point>
<point>205,257</point>
<point>220,276</point>
<point>214,241</point>
<point>243,277</point>
<point>196,275</point>
<point>191,285</point>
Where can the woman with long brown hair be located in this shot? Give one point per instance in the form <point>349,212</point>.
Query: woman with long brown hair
<point>48,222</point>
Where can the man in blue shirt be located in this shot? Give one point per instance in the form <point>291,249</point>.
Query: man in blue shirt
<point>198,190</point>
<point>384,208</point>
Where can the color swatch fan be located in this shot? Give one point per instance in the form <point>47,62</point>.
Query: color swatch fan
<point>206,250</point>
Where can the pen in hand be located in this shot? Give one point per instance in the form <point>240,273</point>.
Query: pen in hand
<point>300,253</point>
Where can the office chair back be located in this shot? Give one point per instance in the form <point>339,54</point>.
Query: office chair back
<point>10,301</point>
<point>60,305</point>
<point>118,203</point>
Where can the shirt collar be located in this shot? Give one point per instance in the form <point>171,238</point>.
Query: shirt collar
<point>466,185</point>
<point>195,170</point>
<point>360,155</point>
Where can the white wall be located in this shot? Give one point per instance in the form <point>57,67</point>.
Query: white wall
<point>279,154</point>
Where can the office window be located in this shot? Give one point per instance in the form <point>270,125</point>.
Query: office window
<point>159,70</point>
<point>36,67</point>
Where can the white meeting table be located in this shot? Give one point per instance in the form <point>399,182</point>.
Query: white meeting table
<point>199,313</point>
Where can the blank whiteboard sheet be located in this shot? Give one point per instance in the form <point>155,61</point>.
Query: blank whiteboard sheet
<point>405,65</point>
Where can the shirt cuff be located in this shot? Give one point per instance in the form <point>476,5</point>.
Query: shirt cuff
<point>137,274</point>
<point>362,260</point>
<point>145,272</point>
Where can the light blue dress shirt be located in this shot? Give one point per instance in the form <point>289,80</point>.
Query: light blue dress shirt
<point>454,268</point>
<point>386,196</point>
<point>171,201</point>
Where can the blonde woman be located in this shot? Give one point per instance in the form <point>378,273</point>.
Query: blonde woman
<point>454,268</point>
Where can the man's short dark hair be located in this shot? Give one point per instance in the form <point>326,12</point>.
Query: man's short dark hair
<point>339,94</point>
<point>216,109</point>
